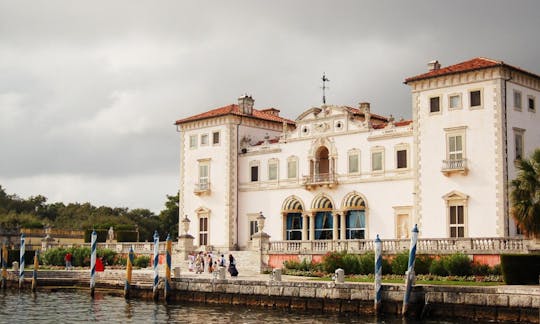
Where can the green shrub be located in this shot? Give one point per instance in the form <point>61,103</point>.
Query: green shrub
<point>400,263</point>
<point>332,261</point>
<point>291,264</point>
<point>54,256</point>
<point>457,264</point>
<point>520,269</point>
<point>142,261</point>
<point>386,267</point>
<point>437,268</point>
<point>350,264</point>
<point>80,256</point>
<point>126,235</point>
<point>101,235</point>
<point>480,269</point>
<point>367,263</point>
<point>495,270</point>
<point>108,255</point>
<point>422,264</point>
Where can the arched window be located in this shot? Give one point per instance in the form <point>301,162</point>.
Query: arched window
<point>324,219</point>
<point>292,211</point>
<point>355,217</point>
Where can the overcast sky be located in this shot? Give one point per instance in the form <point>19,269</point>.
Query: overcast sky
<point>89,90</point>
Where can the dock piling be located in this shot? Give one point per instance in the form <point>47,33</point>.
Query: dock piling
<point>155,292</point>
<point>21,261</point>
<point>167,291</point>
<point>378,274</point>
<point>409,275</point>
<point>129,269</point>
<point>93,263</point>
<point>35,272</point>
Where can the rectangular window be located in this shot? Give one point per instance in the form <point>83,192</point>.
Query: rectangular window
<point>204,179</point>
<point>531,105</point>
<point>294,226</point>
<point>517,100</point>
<point>272,171</point>
<point>204,139</point>
<point>291,169</point>
<point>455,147</point>
<point>255,173</point>
<point>252,228</point>
<point>355,225</point>
<point>215,138</point>
<point>457,221</point>
<point>377,161</point>
<point>454,101</point>
<point>193,141</point>
<point>434,104</point>
<point>518,140</point>
<point>476,98</point>
<point>203,231</point>
<point>353,163</point>
<point>401,159</point>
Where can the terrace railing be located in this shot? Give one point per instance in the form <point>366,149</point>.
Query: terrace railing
<point>488,245</point>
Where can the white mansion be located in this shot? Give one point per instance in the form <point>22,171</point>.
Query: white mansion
<point>339,173</point>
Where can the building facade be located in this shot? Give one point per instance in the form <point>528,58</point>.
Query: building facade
<point>345,173</point>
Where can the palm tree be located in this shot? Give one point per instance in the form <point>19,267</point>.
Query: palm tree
<point>525,195</point>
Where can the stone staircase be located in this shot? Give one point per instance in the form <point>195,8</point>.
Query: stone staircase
<point>247,262</point>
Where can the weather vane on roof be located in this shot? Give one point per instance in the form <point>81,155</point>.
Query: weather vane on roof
<point>324,80</point>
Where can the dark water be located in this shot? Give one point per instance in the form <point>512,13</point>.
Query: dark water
<point>78,307</point>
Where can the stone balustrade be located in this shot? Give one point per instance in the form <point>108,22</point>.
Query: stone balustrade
<point>486,245</point>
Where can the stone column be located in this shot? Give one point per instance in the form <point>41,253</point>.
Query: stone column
<point>335,227</point>
<point>312,227</point>
<point>304,226</point>
<point>343,226</point>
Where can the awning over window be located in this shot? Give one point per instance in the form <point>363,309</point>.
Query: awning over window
<point>292,205</point>
<point>321,203</point>
<point>354,202</point>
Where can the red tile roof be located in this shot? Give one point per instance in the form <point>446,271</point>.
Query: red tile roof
<point>477,63</point>
<point>357,111</point>
<point>235,110</point>
<point>400,123</point>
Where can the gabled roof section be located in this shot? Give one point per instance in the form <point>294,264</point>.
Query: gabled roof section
<point>477,63</point>
<point>265,114</point>
<point>356,111</point>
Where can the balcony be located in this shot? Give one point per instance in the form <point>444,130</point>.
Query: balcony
<point>454,166</point>
<point>322,179</point>
<point>202,188</point>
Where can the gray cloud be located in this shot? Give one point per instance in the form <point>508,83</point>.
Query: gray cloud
<point>89,91</point>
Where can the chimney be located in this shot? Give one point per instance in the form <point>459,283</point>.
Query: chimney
<point>434,65</point>
<point>245,104</point>
<point>364,107</point>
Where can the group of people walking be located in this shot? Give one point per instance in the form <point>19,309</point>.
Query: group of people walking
<point>204,262</point>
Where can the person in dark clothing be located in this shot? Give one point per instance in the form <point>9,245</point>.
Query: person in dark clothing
<point>232,266</point>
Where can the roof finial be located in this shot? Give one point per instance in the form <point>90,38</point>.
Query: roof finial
<point>324,80</point>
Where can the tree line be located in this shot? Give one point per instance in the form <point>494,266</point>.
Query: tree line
<point>34,212</point>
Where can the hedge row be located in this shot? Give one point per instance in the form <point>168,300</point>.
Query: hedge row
<point>121,235</point>
<point>454,265</point>
<point>80,256</point>
<point>520,269</point>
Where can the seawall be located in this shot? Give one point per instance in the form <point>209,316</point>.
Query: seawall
<point>494,303</point>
